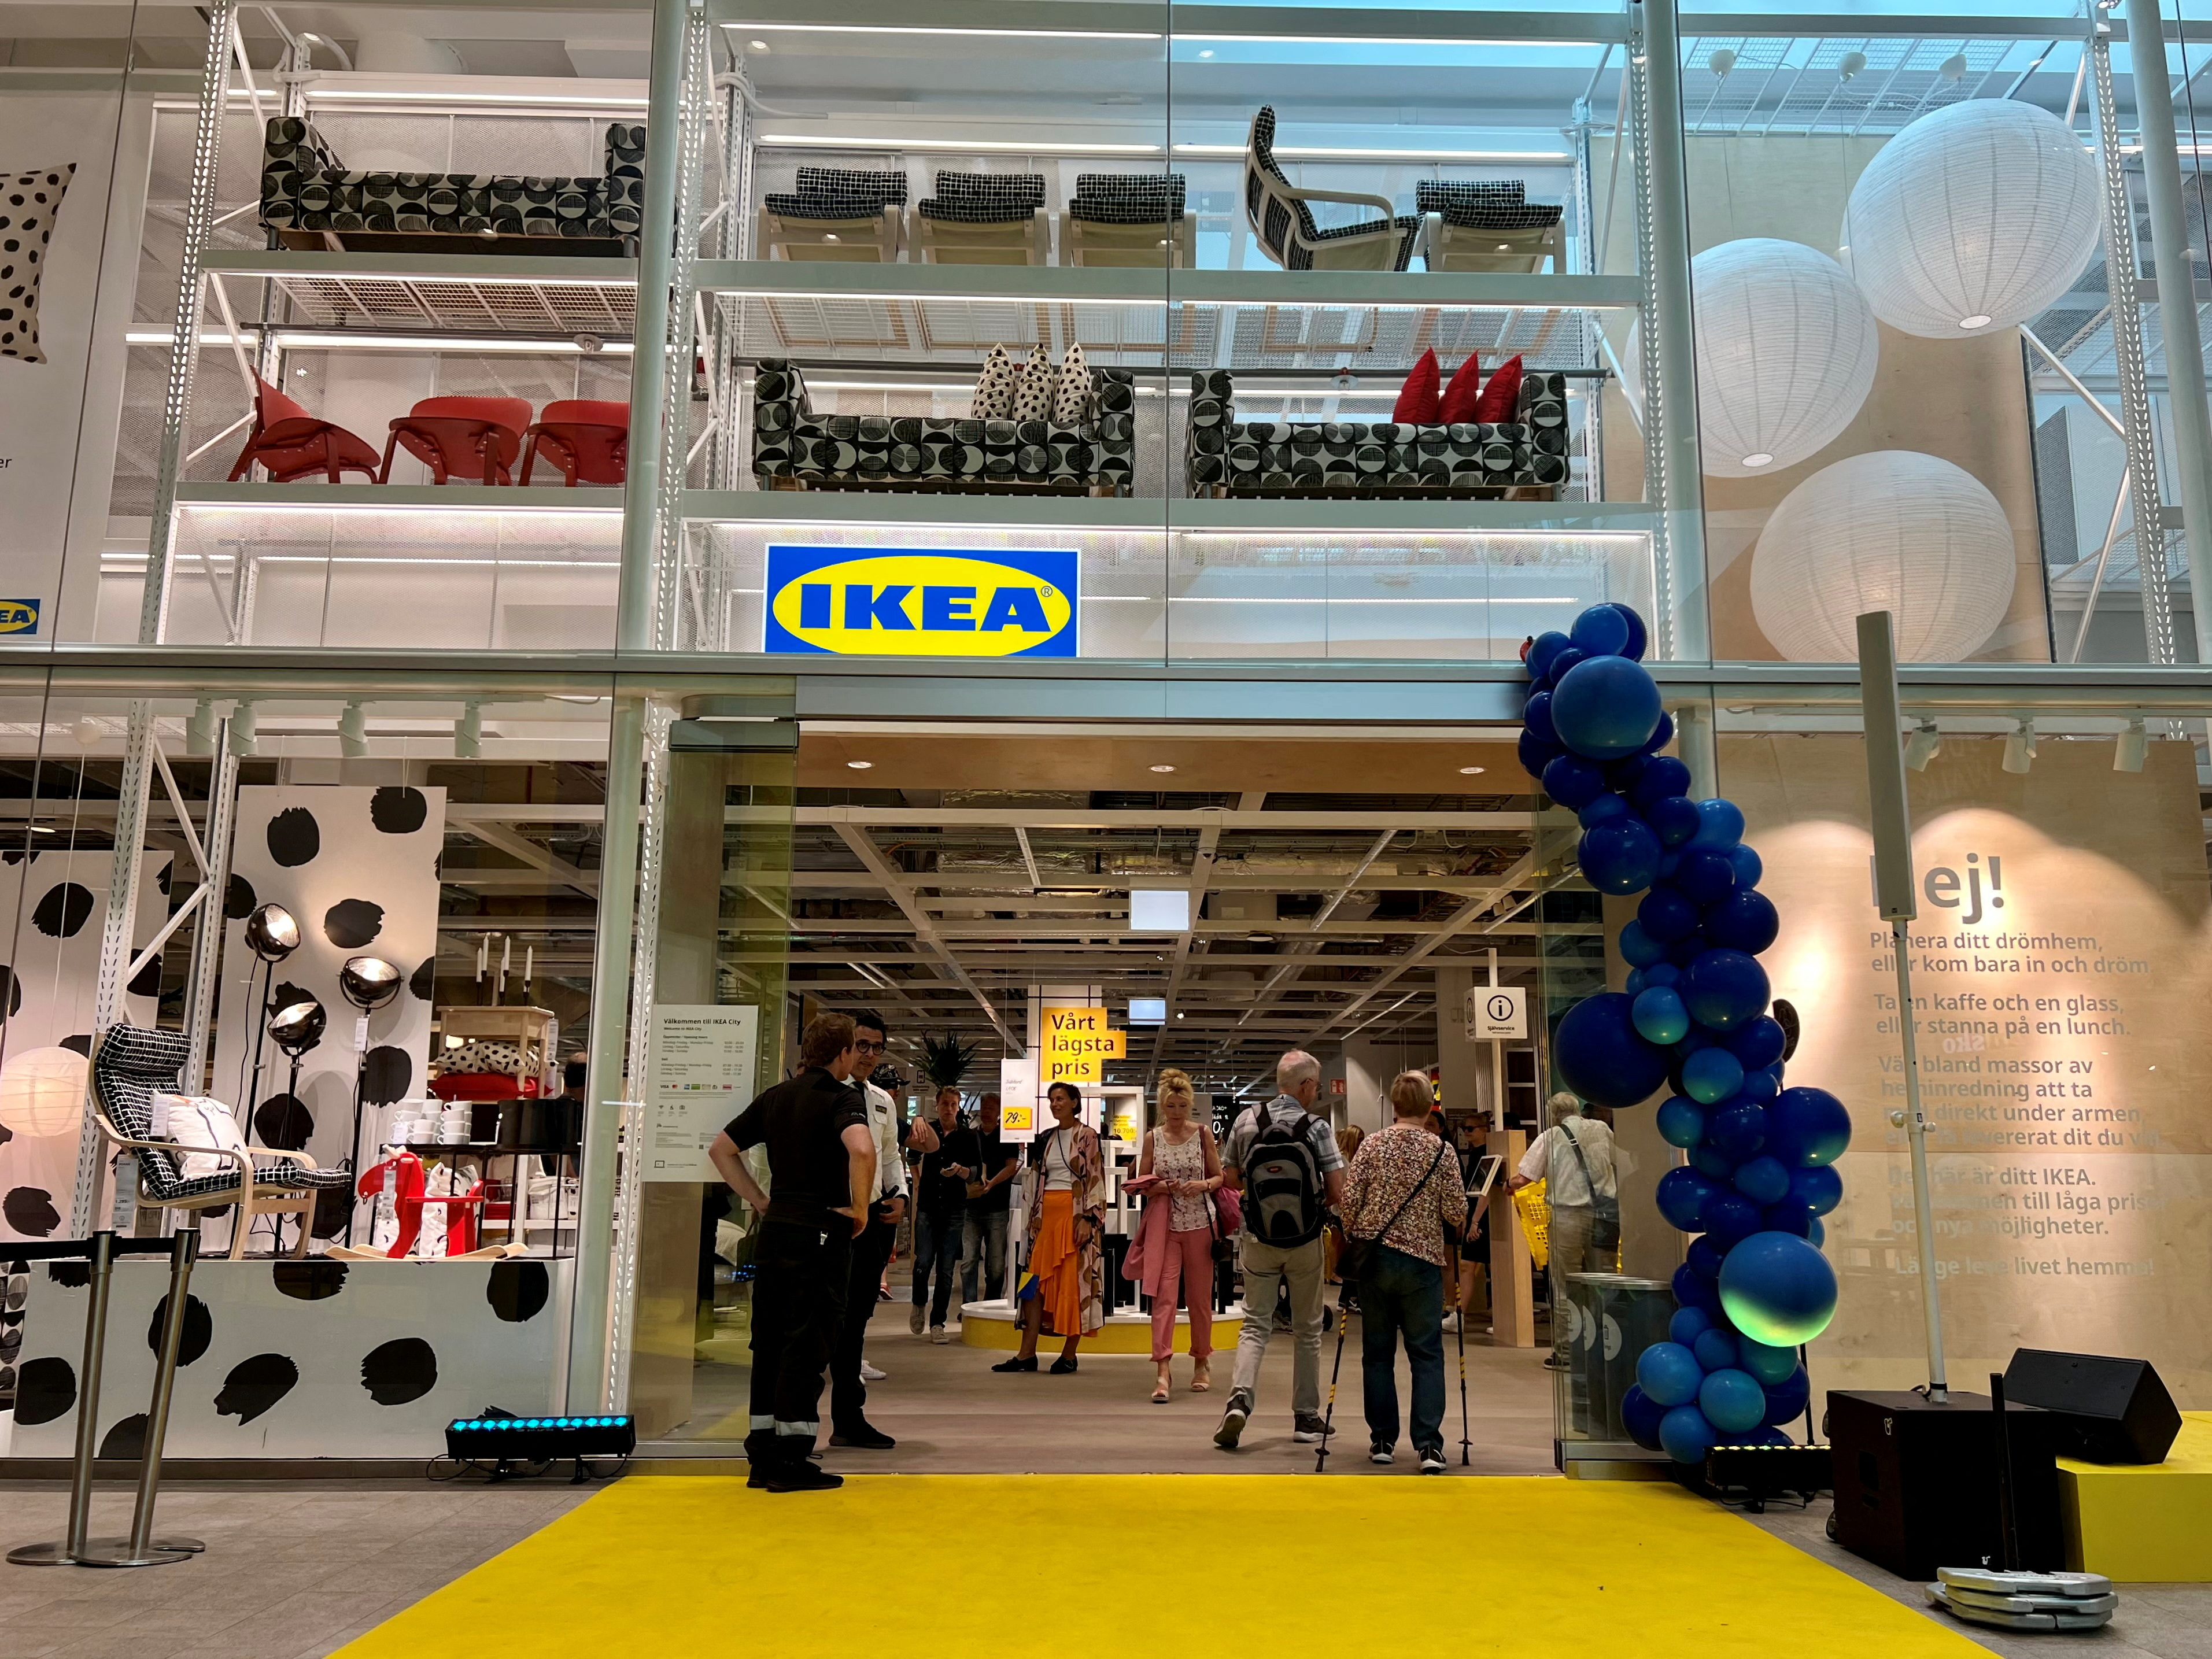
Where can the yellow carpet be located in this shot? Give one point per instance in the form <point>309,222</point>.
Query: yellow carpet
<point>1106,1565</point>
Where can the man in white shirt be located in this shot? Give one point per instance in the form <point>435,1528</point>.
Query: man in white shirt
<point>848,1391</point>
<point>1574,1158</point>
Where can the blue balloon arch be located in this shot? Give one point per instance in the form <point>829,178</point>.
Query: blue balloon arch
<point>1693,1018</point>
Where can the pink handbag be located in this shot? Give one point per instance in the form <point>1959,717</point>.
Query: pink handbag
<point>1227,1211</point>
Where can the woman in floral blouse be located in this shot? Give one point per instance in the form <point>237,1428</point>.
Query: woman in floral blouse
<point>1066,1231</point>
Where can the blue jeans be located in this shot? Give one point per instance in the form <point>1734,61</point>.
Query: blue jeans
<point>983,1255</point>
<point>936,1246</point>
<point>1401,1293</point>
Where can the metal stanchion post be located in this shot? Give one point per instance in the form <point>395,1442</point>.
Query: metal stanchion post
<point>141,1549</point>
<point>87,1418</point>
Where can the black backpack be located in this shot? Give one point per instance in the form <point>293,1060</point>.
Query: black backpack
<point>1283,1187</point>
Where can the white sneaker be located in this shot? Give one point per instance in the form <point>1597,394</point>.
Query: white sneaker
<point>1450,1324</point>
<point>918,1318</point>
<point>1378,1453</point>
<point>870,1374</point>
<point>1433,1462</point>
<point>936,1334</point>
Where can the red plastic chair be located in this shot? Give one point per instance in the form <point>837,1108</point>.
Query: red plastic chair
<point>291,444</point>
<point>588,440</point>
<point>458,435</point>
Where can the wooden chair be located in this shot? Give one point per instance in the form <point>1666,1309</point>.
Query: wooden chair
<point>1129,220</point>
<point>982,219</point>
<point>588,440</point>
<point>458,436</point>
<point>844,214</point>
<point>291,444</point>
<point>1282,218</point>
<point>1486,225</point>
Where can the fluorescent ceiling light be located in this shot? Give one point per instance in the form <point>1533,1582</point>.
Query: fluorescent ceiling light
<point>899,28</point>
<point>365,500</point>
<point>1548,158</point>
<point>340,340</point>
<point>1392,41</point>
<point>1207,598</point>
<point>956,147</point>
<point>445,96</point>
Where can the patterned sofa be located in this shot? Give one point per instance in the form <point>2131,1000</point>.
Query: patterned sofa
<point>795,449</point>
<point>311,200</point>
<point>1525,458</point>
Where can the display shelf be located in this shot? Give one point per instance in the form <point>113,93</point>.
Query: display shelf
<point>402,498</point>
<point>465,293</point>
<point>1086,513</point>
<point>1133,23</point>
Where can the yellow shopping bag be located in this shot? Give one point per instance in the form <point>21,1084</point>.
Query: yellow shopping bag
<point>1534,1206</point>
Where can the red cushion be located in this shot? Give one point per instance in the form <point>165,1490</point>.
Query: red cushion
<point>588,410</point>
<point>1417,399</point>
<point>476,1086</point>
<point>1459,396</point>
<point>1501,398</point>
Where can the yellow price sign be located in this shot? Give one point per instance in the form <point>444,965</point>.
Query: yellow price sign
<point>1076,1041</point>
<point>1018,1118</point>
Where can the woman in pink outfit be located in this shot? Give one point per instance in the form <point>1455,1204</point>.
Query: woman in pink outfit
<point>1178,1228</point>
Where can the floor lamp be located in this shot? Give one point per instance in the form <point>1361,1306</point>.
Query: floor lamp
<point>298,1027</point>
<point>367,983</point>
<point>272,935</point>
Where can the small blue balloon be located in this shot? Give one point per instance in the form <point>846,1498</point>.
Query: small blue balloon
<point>1670,862</point>
<point>1758,1043</point>
<point>1811,1127</point>
<point>1761,1085</point>
<point>1668,1373</point>
<point>1819,1189</point>
<point>1727,1218</point>
<point>1687,1325</point>
<point>1666,914</point>
<point>1598,808</point>
<point>1642,952</point>
<point>1687,948</point>
<point>1715,1348</point>
<point>1620,855</point>
<point>1786,1399</point>
<point>1536,716</point>
<point>1818,1236</point>
<point>1573,782</point>
<point>1778,1289</point>
<point>1712,1075</point>
<point>1673,819</point>
<point>1567,657</point>
<point>1605,707</point>
<point>1706,876</point>
<point>1601,1057</point>
<point>1620,775</point>
<point>1660,1016</point>
<point>1686,1436</point>
<point>1663,973</point>
<point>1769,1364</point>
<point>1720,824</point>
<point>1681,1195</point>
<point>1661,738</point>
<point>1545,651</point>
<point>1681,1122</point>
<point>1694,1292</point>
<point>1635,985</point>
<point>1725,989</point>
<point>1748,868</point>
<point>1664,777</point>
<point>1709,1160</point>
<point>1699,1037</point>
<point>1732,1401</point>
<point>1739,1128</point>
<point>1638,638</point>
<point>1601,631</point>
<point>1744,920</point>
<point>1763,1180</point>
<point>1537,753</point>
<point>1787,1217</point>
<point>1640,1415</point>
<point>1704,1258</point>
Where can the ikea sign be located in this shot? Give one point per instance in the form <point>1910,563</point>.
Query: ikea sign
<point>886,602</point>
<point>19,616</point>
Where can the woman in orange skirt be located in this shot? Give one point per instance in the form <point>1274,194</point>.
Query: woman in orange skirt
<point>1065,1285</point>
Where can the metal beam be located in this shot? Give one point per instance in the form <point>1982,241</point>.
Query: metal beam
<point>1201,873</point>
<point>1344,892</point>
<point>538,858</point>
<point>864,849</point>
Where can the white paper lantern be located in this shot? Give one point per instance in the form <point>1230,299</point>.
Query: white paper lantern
<point>1893,530</point>
<point>1973,219</point>
<point>42,1091</point>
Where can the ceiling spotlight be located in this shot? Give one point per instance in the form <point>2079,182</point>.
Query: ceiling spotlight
<point>756,45</point>
<point>2020,747</point>
<point>1850,64</point>
<point>1922,746</point>
<point>271,933</point>
<point>861,766</point>
<point>2134,747</point>
<point>200,730</point>
<point>468,731</point>
<point>1164,768</point>
<point>242,743</point>
<point>1471,771</point>
<point>353,731</point>
<point>1207,52</point>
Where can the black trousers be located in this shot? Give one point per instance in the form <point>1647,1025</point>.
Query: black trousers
<point>848,1394</point>
<point>799,1308</point>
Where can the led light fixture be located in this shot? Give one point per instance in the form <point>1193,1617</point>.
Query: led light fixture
<point>504,1440</point>
<point>353,731</point>
<point>468,732</point>
<point>2133,749</point>
<point>1922,746</point>
<point>200,730</point>
<point>2020,747</point>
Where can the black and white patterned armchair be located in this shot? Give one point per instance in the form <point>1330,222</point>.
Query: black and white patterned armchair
<point>795,449</point>
<point>1486,224</point>
<point>130,1066</point>
<point>848,214</point>
<point>1288,233</point>
<point>982,219</point>
<point>311,200</point>
<point>1127,220</point>
<point>1524,458</point>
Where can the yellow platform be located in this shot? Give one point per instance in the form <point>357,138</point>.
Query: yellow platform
<point>992,1325</point>
<point>1356,1568</point>
<point>2143,1524</point>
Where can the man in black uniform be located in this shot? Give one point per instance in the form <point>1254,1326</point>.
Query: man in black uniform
<point>821,1173</point>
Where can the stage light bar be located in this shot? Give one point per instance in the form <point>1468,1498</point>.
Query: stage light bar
<point>539,1439</point>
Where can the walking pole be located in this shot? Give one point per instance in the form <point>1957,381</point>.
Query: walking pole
<point>1465,1441</point>
<point>141,1549</point>
<point>1328,1418</point>
<point>88,1416</point>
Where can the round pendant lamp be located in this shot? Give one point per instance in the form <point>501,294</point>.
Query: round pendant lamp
<point>42,1091</point>
<point>271,933</point>
<point>1974,219</point>
<point>368,981</point>
<point>1893,530</point>
<point>298,1027</point>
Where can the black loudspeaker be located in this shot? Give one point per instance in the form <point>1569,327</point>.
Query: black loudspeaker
<point>2105,1411</point>
<point>1917,1484</point>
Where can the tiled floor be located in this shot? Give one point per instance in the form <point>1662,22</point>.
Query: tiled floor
<point>291,1571</point>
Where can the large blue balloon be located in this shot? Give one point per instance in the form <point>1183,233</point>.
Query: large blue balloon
<point>1639,948</point>
<point>1620,855</point>
<point>1720,824</point>
<point>1681,1122</point>
<point>1705,875</point>
<point>1605,707</point>
<point>1639,1415</point>
<point>1725,989</point>
<point>1708,1160</point>
<point>1545,651</point>
<point>1687,1325</point>
<point>1758,1043</point>
<point>1705,1258</point>
<point>1666,776</point>
<point>1712,1075</point>
<point>1693,1291</point>
<point>1601,631</point>
<point>1666,914</point>
<point>1638,639</point>
<point>1573,782</point>
<point>1786,1399</point>
<point>1819,1189</point>
<point>1763,1180</point>
<point>1598,808</point>
<point>1537,753</point>
<point>1769,1364</point>
<point>1681,1194</point>
<point>1536,716</point>
<point>1663,973</point>
<point>1761,1085</point>
<point>1660,1016</point>
<point>1668,1373</point>
<point>1732,1401</point>
<point>1788,1217</point>
<point>1746,865</point>
<point>1778,1289</point>
<point>1744,920</point>
<point>1565,657</point>
<point>1686,1436</point>
<point>1737,1128</point>
<point>1662,735</point>
<point>1621,774</point>
<point>1727,1217</point>
<point>1715,1348</point>
<point>1601,1057</point>
<point>1810,1126</point>
<point>1673,819</point>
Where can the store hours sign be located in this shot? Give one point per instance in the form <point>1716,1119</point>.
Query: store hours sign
<point>701,1077</point>
<point>922,602</point>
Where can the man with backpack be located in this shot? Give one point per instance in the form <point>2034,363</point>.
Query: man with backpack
<point>1284,1159</point>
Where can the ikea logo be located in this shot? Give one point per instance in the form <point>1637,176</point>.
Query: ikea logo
<point>19,616</point>
<point>868,602</point>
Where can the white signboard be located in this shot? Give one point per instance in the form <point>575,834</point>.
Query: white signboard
<point>1497,1013</point>
<point>703,1077</point>
<point>1019,1111</point>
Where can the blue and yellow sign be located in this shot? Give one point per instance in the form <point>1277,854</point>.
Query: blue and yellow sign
<point>885,602</point>
<point>19,616</point>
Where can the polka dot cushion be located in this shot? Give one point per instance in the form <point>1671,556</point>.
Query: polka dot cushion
<point>1071,405</point>
<point>994,387</point>
<point>28,203</point>
<point>481,1056</point>
<point>1039,387</point>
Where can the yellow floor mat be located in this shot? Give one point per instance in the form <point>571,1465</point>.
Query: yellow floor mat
<point>1108,1565</point>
